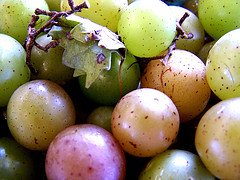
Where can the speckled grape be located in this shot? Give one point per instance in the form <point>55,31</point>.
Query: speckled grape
<point>37,111</point>
<point>219,17</point>
<point>223,66</point>
<point>183,79</point>
<point>145,122</point>
<point>147,28</point>
<point>104,12</point>
<point>190,25</point>
<point>217,139</point>
<point>17,14</point>
<point>13,69</point>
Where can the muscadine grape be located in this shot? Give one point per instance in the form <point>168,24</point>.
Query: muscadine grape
<point>37,111</point>
<point>204,51</point>
<point>191,5</point>
<point>147,27</point>
<point>54,5</point>
<point>104,12</point>
<point>16,161</point>
<point>219,17</point>
<point>145,122</point>
<point>217,139</point>
<point>13,69</point>
<point>85,151</point>
<point>183,79</point>
<point>223,66</point>
<point>17,14</point>
<point>175,164</point>
<point>46,62</point>
<point>101,116</point>
<point>190,25</point>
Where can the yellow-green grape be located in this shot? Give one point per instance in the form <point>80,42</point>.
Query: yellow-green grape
<point>17,14</point>
<point>13,69</point>
<point>37,111</point>
<point>223,66</point>
<point>190,25</point>
<point>147,27</point>
<point>54,5</point>
<point>104,12</point>
<point>219,17</point>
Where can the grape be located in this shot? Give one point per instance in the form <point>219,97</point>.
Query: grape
<point>13,69</point>
<point>190,25</point>
<point>145,122</point>
<point>223,66</point>
<point>101,116</point>
<point>147,27</point>
<point>183,79</point>
<point>37,111</point>
<point>219,17</point>
<point>217,139</point>
<point>104,12</point>
<point>175,164</point>
<point>17,14</point>
<point>46,63</point>
<point>204,51</point>
<point>16,161</point>
<point>54,5</point>
<point>85,152</point>
<point>191,5</point>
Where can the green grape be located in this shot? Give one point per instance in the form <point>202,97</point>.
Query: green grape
<point>101,116</point>
<point>54,5</point>
<point>190,25</point>
<point>16,162</point>
<point>16,15</point>
<point>104,12</point>
<point>46,63</point>
<point>175,164</point>
<point>191,5</point>
<point>223,66</point>
<point>13,69</point>
<point>219,17</point>
<point>147,27</point>
<point>203,52</point>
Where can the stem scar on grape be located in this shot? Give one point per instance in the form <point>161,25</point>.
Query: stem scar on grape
<point>33,33</point>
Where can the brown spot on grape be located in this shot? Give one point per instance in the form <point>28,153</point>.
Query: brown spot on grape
<point>35,140</point>
<point>133,144</point>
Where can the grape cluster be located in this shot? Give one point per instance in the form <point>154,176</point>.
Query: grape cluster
<point>119,89</point>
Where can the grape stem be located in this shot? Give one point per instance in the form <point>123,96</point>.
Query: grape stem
<point>33,33</point>
<point>180,33</point>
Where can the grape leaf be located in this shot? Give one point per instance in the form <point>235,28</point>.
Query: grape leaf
<point>86,58</point>
<point>87,31</point>
<point>88,47</point>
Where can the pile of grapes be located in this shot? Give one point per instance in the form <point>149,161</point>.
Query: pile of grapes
<point>117,89</point>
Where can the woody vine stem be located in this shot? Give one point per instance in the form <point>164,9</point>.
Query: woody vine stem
<point>33,32</point>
